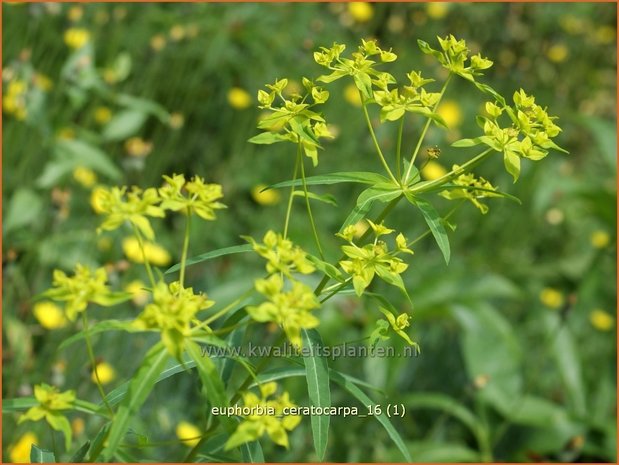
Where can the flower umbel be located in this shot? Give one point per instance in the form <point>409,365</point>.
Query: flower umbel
<point>191,196</point>
<point>282,255</point>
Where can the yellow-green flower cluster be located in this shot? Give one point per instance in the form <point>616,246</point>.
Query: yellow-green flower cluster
<point>51,403</point>
<point>473,189</point>
<point>396,324</point>
<point>84,287</point>
<point>14,100</point>
<point>289,302</point>
<point>293,120</point>
<point>171,312</point>
<point>268,417</point>
<point>191,196</point>
<point>289,309</point>
<point>454,56</point>
<point>374,259</point>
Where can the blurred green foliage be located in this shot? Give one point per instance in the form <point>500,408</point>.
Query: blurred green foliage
<point>518,334</point>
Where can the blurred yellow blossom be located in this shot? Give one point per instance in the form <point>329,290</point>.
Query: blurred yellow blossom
<point>177,33</point>
<point>96,197</point>
<point>155,254</point>
<point>20,451</point>
<point>239,98</point>
<point>76,38</point>
<point>105,371</point>
<point>268,197</point>
<point>188,433</point>
<point>551,298</point>
<point>78,426</point>
<point>85,176</point>
<point>102,115</point>
<point>433,170</point>
<point>157,42</point>
<point>177,120</point>
<point>557,53</point>
<point>605,35</point>
<point>600,239</point>
<point>43,82</point>
<point>104,244</point>
<point>360,228</point>
<point>49,315</point>
<point>572,24</point>
<point>75,13</point>
<point>138,147</point>
<point>601,320</point>
<point>65,133</point>
<point>14,101</point>
<point>138,289</point>
<point>351,95</point>
<point>451,113</point>
<point>437,10</point>
<point>361,12</point>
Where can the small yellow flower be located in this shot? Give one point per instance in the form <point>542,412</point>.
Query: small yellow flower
<point>177,120</point>
<point>155,254</point>
<point>351,95</point>
<point>451,113</point>
<point>75,13</point>
<point>551,298</point>
<point>157,43</point>
<point>360,228</point>
<point>106,373</point>
<point>104,244</point>
<point>49,315</point>
<point>177,33</point>
<point>78,426</point>
<point>433,170</point>
<point>605,35</point>
<point>85,176</point>
<point>97,196</point>
<point>138,289</point>
<point>76,38</point>
<point>65,134</point>
<point>16,87</point>
<point>600,239</point>
<point>188,433</point>
<point>20,451</point>
<point>43,82</point>
<point>268,197</point>
<point>437,10</point>
<point>601,320</point>
<point>239,98</point>
<point>557,53</point>
<point>102,115</point>
<point>138,147</point>
<point>361,12</point>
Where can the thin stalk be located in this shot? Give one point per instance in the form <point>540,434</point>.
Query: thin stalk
<point>226,309</point>
<point>398,150</point>
<point>93,362</point>
<point>335,290</point>
<point>290,198</point>
<point>373,134</point>
<point>149,271</point>
<point>185,247</point>
<point>425,129</point>
<point>307,204</point>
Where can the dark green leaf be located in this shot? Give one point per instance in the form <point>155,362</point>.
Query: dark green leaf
<point>102,326</point>
<point>334,178</point>
<point>435,224</point>
<point>268,138</point>
<point>79,456</point>
<point>325,198</point>
<point>210,255</point>
<point>38,455</point>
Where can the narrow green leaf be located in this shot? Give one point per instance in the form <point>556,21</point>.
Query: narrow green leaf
<point>325,198</point>
<point>252,452</point>
<point>79,456</point>
<point>317,374</point>
<point>512,163</point>
<point>139,388</point>
<point>425,48</point>
<point>97,444</point>
<point>85,154</point>
<point>435,224</point>
<point>213,254</point>
<point>124,124</point>
<point>363,83</point>
<point>143,105</point>
<point>360,177</point>
<point>384,192</point>
<point>100,327</point>
<point>326,268</point>
<point>38,455</point>
<point>467,142</point>
<point>267,138</point>
<point>382,418</point>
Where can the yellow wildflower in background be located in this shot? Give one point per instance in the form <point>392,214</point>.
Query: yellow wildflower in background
<point>106,373</point>
<point>65,133</point>
<point>138,289</point>
<point>85,176</point>
<point>551,298</point>
<point>605,35</point>
<point>49,315</point>
<point>451,112</point>
<point>433,170</point>
<point>102,115</point>
<point>268,197</point>
<point>76,38</point>
<point>437,10</point>
<point>177,33</point>
<point>138,147</point>
<point>155,254</point>
<point>78,426</point>
<point>351,95</point>
<point>361,12</point>
<point>177,120</point>
<point>188,433</point>
<point>43,82</point>
<point>20,451</point>
<point>600,239</point>
<point>239,98</point>
<point>557,53</point>
<point>157,43</point>
<point>75,13</point>
<point>601,320</point>
<point>14,101</point>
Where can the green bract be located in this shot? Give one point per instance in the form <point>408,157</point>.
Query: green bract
<point>473,190</point>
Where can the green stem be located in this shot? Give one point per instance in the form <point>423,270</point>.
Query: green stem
<point>289,208</point>
<point>373,134</point>
<point>425,129</point>
<point>226,309</point>
<point>93,362</point>
<point>307,204</point>
<point>185,247</point>
<point>149,271</point>
<point>398,150</point>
